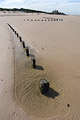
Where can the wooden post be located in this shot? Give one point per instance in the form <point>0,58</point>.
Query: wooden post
<point>15,32</point>
<point>20,39</point>
<point>27,51</point>
<point>33,62</point>
<point>13,29</point>
<point>10,26</point>
<point>23,44</point>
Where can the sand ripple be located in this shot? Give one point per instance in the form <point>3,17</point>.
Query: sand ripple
<point>26,86</point>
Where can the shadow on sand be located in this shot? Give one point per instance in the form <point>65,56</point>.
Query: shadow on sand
<point>39,67</point>
<point>51,93</point>
<point>30,55</point>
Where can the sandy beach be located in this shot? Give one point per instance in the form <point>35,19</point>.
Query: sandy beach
<point>56,47</point>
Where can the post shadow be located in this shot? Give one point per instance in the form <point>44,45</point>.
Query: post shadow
<point>38,67</point>
<point>31,55</point>
<point>51,93</point>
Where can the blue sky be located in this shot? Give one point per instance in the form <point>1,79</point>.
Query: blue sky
<point>66,6</point>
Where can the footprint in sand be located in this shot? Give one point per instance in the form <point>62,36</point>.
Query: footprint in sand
<point>5,91</point>
<point>68,105</point>
<point>42,48</point>
<point>1,79</point>
<point>66,49</point>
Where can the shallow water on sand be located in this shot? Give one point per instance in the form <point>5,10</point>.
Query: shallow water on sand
<point>27,80</point>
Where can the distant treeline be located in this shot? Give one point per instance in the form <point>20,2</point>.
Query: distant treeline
<point>21,9</point>
<point>56,12</point>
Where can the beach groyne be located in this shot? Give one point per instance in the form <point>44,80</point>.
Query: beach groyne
<point>27,93</point>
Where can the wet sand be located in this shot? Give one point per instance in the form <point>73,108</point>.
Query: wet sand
<point>56,46</point>
<point>27,86</point>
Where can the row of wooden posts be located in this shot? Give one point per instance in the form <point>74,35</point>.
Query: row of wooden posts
<point>55,19</point>
<point>23,44</point>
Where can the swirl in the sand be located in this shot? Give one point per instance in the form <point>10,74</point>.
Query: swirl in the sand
<point>27,91</point>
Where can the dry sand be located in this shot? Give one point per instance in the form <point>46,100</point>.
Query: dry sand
<point>56,46</point>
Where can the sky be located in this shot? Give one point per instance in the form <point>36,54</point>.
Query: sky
<point>66,6</point>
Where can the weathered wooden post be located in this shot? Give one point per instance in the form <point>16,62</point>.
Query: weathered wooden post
<point>10,27</point>
<point>33,62</point>
<point>27,51</point>
<point>20,39</point>
<point>23,44</point>
<point>43,86</point>
<point>15,32</point>
<point>13,29</point>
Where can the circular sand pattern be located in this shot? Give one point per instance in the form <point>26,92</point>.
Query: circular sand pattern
<point>27,92</point>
